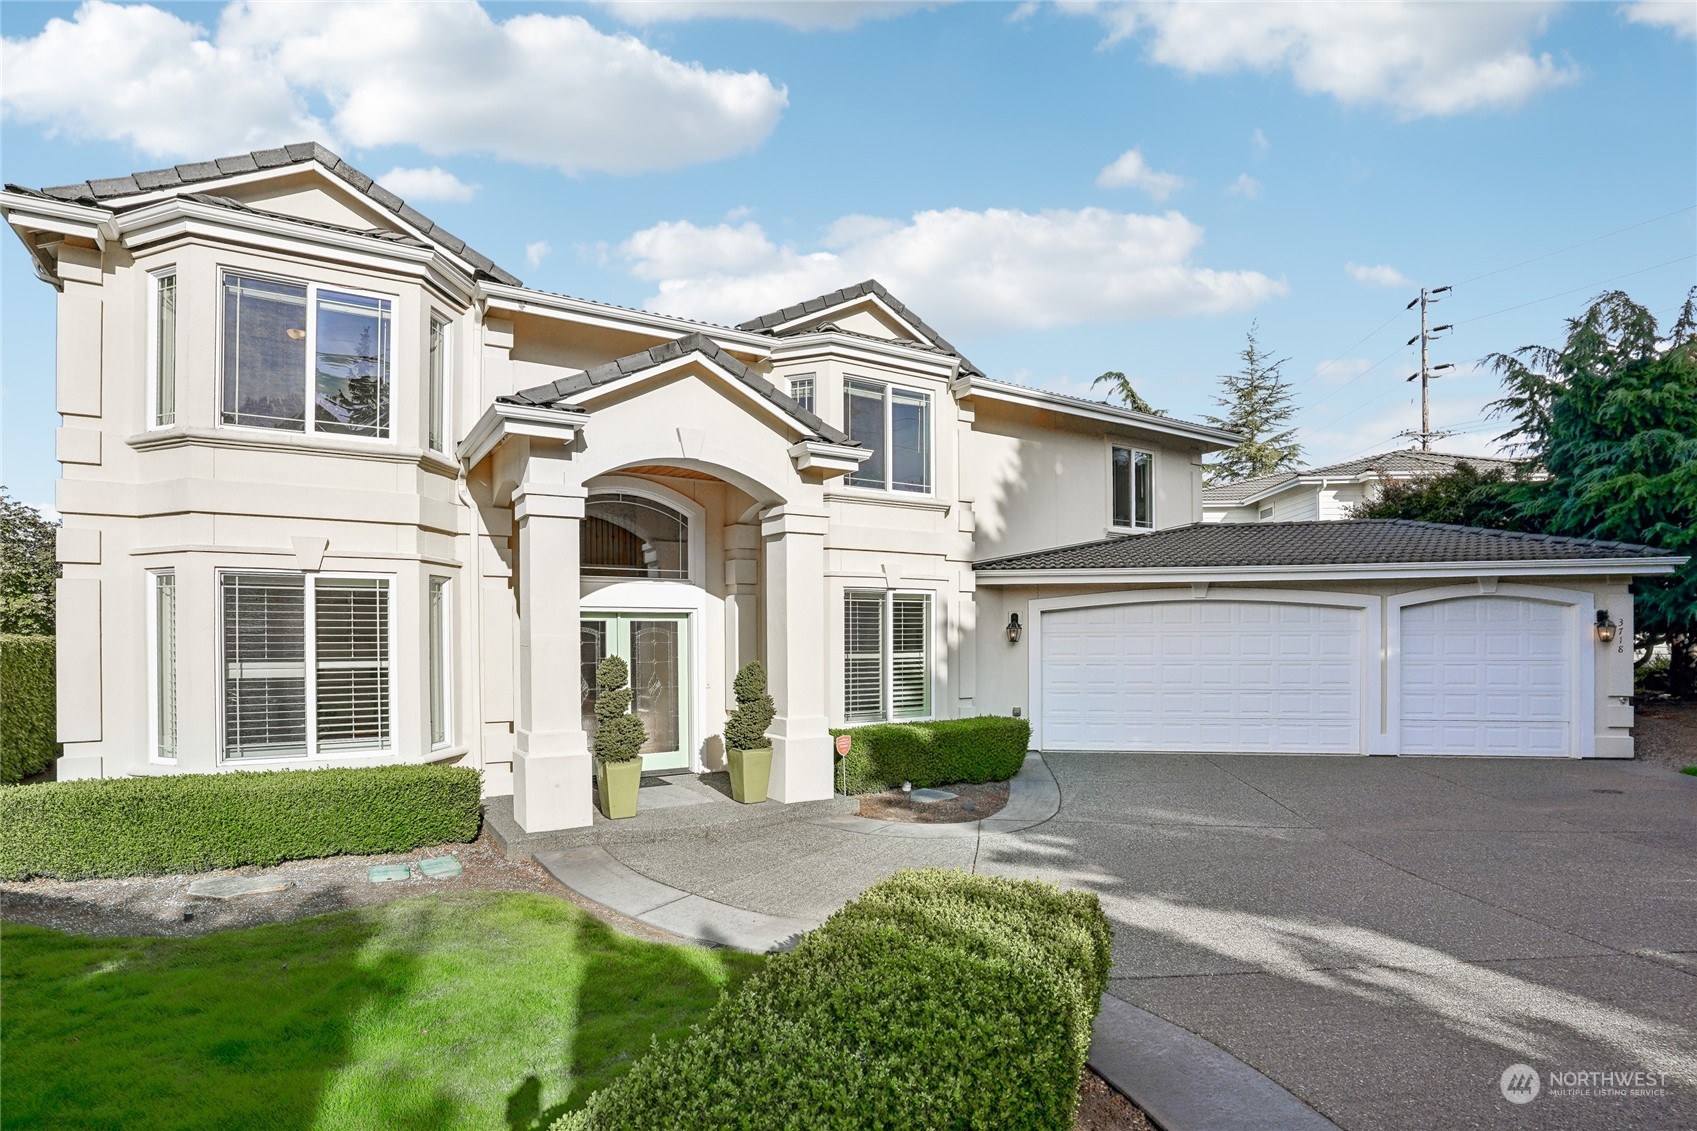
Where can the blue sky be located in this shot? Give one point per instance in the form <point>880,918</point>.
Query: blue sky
<point>1059,189</point>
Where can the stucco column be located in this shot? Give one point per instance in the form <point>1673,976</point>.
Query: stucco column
<point>742,592</point>
<point>796,654</point>
<point>552,772</point>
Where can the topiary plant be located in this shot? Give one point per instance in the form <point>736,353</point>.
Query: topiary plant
<point>746,728</point>
<point>619,735</point>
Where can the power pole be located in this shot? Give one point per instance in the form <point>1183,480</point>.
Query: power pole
<point>1428,372</point>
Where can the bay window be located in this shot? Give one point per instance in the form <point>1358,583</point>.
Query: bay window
<point>802,391</point>
<point>887,659</point>
<point>163,359</point>
<point>163,663</point>
<point>439,639</point>
<point>438,392</point>
<point>895,425</point>
<point>300,357</point>
<point>306,664</point>
<point>1131,473</point>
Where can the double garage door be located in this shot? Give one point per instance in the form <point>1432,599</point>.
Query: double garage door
<point>1487,675</point>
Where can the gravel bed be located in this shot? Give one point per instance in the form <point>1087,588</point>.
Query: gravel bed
<point>1665,733</point>
<point>1100,1108</point>
<point>972,803</point>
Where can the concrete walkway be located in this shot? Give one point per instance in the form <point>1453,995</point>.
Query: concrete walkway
<point>1381,938</point>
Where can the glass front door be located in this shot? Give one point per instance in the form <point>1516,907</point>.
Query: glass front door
<point>655,645</point>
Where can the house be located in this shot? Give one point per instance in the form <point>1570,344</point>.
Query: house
<point>1329,492</point>
<point>339,490</point>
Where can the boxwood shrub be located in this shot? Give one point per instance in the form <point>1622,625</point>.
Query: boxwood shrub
<point>27,725</point>
<point>937,999</point>
<point>194,822</point>
<point>982,749</point>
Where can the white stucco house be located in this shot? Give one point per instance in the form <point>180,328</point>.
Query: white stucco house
<point>1329,492</point>
<point>338,490</point>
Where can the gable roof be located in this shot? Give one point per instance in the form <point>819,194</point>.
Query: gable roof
<point>1404,463</point>
<point>1389,541</point>
<point>608,372</point>
<point>769,323</point>
<point>110,192</point>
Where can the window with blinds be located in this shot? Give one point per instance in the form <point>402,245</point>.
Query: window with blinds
<point>306,665</point>
<point>165,665</point>
<point>164,350</point>
<point>438,661</point>
<point>886,656</point>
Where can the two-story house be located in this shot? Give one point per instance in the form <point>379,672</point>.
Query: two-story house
<point>339,490</point>
<point>1333,491</point>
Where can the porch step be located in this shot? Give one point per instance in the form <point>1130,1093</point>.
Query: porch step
<point>668,823</point>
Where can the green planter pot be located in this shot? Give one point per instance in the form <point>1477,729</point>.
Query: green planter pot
<point>617,783</point>
<point>751,772</point>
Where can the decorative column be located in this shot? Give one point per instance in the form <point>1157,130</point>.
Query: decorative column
<point>552,770</point>
<point>742,592</point>
<point>796,654</point>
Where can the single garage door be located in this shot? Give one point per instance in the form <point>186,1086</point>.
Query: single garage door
<point>1486,675</point>
<point>1202,675</point>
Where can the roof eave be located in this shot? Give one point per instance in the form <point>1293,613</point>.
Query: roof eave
<point>1389,571</point>
<point>1211,439</point>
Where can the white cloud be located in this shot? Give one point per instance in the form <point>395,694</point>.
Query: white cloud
<point>970,272</point>
<point>1381,275</point>
<point>1129,170</point>
<point>1420,59</point>
<point>803,15</point>
<point>434,183</point>
<point>1245,186</point>
<point>535,253</point>
<point>1259,141</point>
<point>1680,16</point>
<point>542,89</point>
<point>1338,370</point>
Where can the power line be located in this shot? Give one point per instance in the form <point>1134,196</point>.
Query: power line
<point>1575,290</point>
<point>1581,243</point>
<point>1341,354</point>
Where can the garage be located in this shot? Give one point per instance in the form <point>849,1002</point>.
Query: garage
<point>1203,676</point>
<point>1486,675</point>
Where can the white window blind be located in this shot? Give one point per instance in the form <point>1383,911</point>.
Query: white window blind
<point>910,668</point>
<point>438,661</point>
<point>165,665</point>
<point>352,663</point>
<point>863,656</point>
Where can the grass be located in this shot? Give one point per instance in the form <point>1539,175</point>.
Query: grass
<point>1689,770</point>
<point>482,1010</point>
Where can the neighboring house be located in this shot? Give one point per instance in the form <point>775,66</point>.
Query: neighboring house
<point>1328,492</point>
<point>339,490</point>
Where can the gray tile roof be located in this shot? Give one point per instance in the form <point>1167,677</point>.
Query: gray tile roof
<point>1398,463</point>
<point>566,387</point>
<point>387,235</point>
<point>1391,541</point>
<point>111,191</point>
<point>766,322</point>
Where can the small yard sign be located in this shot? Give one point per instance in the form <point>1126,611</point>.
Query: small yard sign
<point>843,744</point>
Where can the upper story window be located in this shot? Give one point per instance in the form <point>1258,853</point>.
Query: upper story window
<point>803,393</point>
<point>164,353</point>
<point>304,358</point>
<point>438,391</point>
<point>631,536</point>
<point>895,424</point>
<point>1133,494</point>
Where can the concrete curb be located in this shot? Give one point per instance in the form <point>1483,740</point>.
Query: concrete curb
<point>593,873</point>
<point>662,824</point>
<point>1185,1083</point>
<point>1033,797</point>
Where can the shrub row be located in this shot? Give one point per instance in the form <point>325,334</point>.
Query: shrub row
<point>27,726</point>
<point>986,748</point>
<point>937,999</point>
<point>194,822</point>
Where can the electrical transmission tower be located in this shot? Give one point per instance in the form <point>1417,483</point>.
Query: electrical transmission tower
<point>1428,372</point>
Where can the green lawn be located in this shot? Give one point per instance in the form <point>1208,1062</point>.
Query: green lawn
<point>481,1010</point>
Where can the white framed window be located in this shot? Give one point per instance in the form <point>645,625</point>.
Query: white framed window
<point>1131,473</point>
<point>441,727</point>
<point>301,357</point>
<point>162,663</point>
<point>895,423</point>
<point>438,378</point>
<point>305,664</point>
<point>887,656</point>
<point>803,391</point>
<point>162,350</point>
<point>1264,514</point>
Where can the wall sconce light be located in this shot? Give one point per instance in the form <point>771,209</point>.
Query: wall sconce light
<point>1013,628</point>
<point>1606,628</point>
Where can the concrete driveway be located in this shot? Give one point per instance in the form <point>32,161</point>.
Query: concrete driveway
<point>1384,937</point>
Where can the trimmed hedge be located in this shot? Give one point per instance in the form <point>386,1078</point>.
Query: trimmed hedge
<point>937,999</point>
<point>75,830</point>
<point>27,708</point>
<point>986,748</point>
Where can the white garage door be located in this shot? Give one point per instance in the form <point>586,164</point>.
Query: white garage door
<point>1202,676</point>
<point>1486,675</point>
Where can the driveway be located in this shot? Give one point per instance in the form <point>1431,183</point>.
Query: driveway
<point>1383,937</point>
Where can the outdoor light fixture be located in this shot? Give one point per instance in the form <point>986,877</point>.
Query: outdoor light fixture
<point>1013,628</point>
<point>1606,628</point>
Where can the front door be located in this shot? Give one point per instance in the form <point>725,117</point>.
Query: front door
<point>655,645</point>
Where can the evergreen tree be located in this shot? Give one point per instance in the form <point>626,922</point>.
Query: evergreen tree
<point>746,728</point>
<point>1120,388</point>
<point>28,568</point>
<point>1258,404</point>
<point>1465,496</point>
<point>619,735</point>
